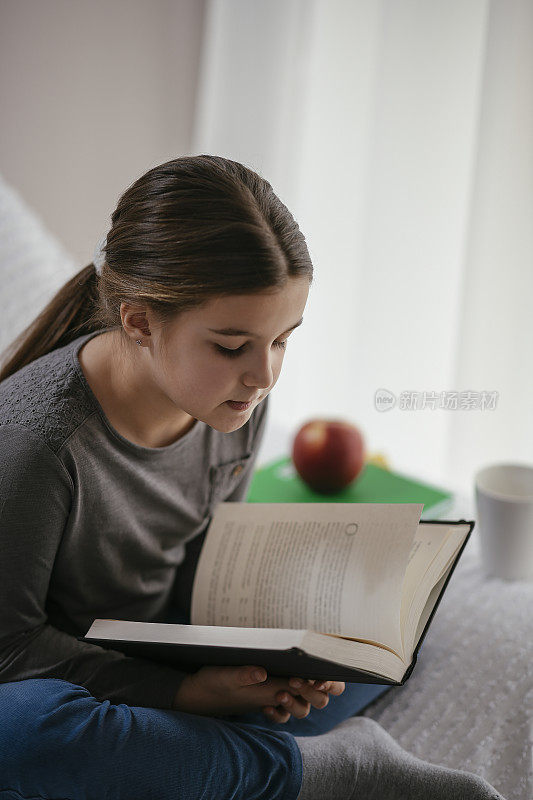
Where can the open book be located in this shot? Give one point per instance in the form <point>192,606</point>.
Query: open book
<point>338,591</point>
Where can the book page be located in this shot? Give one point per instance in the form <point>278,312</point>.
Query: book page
<point>177,633</point>
<point>355,654</point>
<point>432,599</point>
<point>439,565</point>
<point>427,542</point>
<point>335,568</point>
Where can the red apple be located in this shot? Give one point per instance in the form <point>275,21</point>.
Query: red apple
<point>328,454</point>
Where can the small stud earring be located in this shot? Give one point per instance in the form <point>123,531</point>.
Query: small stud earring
<point>139,341</point>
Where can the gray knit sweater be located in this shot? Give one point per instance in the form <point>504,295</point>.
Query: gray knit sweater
<point>93,525</point>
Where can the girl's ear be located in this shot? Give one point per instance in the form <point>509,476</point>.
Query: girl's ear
<point>135,320</point>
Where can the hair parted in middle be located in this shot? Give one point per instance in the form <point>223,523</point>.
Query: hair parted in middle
<point>186,231</point>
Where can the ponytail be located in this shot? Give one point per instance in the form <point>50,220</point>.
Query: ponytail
<point>70,313</point>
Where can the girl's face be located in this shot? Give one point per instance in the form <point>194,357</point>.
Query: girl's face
<point>199,368</point>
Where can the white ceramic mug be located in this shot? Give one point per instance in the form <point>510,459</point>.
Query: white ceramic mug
<point>504,499</point>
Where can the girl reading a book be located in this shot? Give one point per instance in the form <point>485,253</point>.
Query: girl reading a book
<point>133,404</point>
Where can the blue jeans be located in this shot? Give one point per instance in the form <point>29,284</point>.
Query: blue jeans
<point>58,741</point>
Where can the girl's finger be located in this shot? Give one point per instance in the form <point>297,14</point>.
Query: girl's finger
<point>307,694</point>
<point>317,684</point>
<point>296,683</point>
<point>276,713</point>
<point>298,706</point>
<point>313,690</point>
<point>331,687</point>
<point>337,687</point>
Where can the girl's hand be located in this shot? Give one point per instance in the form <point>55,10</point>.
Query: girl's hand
<point>301,698</point>
<point>234,690</point>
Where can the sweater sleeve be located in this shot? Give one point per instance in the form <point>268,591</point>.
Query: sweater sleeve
<point>35,499</point>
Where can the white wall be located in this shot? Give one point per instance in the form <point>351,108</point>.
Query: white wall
<point>496,332</point>
<point>92,94</point>
<point>363,114</point>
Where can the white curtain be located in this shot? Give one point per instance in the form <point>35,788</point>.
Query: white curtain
<point>400,135</point>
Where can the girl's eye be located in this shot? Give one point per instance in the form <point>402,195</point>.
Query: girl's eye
<point>225,351</point>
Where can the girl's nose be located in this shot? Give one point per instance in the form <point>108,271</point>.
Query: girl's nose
<point>259,373</point>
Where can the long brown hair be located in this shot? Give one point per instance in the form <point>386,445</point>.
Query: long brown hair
<point>188,230</point>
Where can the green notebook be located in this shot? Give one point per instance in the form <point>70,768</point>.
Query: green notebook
<point>279,482</point>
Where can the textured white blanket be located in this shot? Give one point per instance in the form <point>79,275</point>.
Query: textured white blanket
<point>469,701</point>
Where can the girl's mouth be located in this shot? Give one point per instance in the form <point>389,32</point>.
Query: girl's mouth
<point>236,406</point>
